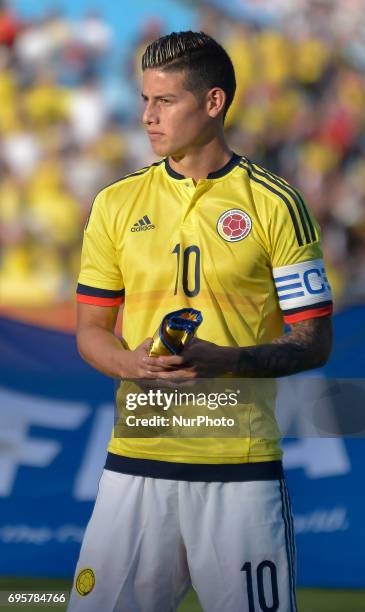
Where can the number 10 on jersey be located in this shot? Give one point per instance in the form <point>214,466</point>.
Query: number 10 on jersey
<point>190,268</point>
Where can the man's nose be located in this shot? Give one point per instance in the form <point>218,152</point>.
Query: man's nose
<point>149,115</point>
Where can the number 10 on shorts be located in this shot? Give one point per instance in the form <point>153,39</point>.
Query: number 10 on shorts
<point>269,597</point>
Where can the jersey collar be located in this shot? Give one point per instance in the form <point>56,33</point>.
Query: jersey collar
<point>235,159</point>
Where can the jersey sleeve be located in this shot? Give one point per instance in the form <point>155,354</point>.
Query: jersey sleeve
<point>298,269</point>
<point>100,281</point>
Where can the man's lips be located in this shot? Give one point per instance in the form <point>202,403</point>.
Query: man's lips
<point>154,135</point>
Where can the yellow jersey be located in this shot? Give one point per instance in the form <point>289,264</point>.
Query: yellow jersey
<point>242,247</point>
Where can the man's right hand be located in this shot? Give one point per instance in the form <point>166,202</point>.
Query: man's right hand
<point>136,367</point>
<point>132,364</point>
<point>100,347</point>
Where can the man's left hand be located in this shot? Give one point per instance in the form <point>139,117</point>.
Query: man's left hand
<point>201,359</point>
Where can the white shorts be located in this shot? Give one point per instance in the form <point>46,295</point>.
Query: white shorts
<point>149,539</point>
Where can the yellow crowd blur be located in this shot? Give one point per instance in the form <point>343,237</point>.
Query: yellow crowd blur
<point>41,217</point>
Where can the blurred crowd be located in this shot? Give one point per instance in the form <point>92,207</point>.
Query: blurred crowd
<point>69,125</point>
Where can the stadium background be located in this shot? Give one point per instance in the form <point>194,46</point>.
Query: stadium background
<point>69,124</point>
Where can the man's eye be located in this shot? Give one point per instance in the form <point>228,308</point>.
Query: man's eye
<point>165,100</point>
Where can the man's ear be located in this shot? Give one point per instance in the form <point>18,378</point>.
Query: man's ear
<point>215,100</point>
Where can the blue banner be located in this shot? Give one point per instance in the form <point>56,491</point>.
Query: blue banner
<point>56,414</point>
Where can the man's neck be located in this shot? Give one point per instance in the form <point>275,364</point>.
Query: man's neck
<point>198,163</point>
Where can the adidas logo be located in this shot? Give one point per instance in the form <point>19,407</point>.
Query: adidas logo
<point>142,225</point>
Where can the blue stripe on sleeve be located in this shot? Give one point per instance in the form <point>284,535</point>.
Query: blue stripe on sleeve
<point>279,279</point>
<point>289,296</point>
<point>287,287</point>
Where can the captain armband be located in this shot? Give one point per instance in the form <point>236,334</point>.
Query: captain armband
<point>303,290</point>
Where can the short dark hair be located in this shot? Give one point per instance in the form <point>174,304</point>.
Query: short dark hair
<point>204,60</point>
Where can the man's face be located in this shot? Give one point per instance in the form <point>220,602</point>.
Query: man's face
<point>175,120</point>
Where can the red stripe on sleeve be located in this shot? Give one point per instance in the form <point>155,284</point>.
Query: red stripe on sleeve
<point>311,313</point>
<point>98,301</point>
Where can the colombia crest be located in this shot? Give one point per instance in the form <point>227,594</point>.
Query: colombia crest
<point>234,225</point>
<point>85,581</point>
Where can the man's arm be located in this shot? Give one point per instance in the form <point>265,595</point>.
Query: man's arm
<point>306,346</point>
<point>98,345</point>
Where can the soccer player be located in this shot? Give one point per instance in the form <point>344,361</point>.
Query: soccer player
<point>204,228</point>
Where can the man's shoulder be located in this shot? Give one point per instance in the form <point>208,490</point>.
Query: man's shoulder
<point>273,186</point>
<point>137,176</point>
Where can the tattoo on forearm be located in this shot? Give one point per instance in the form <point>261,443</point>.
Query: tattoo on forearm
<point>306,346</point>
